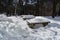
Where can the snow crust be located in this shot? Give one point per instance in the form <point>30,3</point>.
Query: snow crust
<point>15,28</point>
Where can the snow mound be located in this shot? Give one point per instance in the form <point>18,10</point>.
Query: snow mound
<point>37,20</point>
<point>15,28</point>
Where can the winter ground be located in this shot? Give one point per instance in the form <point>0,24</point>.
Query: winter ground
<point>15,28</point>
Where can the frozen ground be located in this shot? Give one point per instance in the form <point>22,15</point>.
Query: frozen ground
<point>15,28</point>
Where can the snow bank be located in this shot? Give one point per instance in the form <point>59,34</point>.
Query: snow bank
<point>15,28</point>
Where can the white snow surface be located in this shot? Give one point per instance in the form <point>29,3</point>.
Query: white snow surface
<point>15,28</point>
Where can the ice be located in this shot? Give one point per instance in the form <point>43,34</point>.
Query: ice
<point>15,28</point>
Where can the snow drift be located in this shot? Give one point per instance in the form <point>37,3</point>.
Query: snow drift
<point>15,28</point>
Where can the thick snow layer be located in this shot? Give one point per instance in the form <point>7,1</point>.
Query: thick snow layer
<point>27,16</point>
<point>15,28</point>
<point>37,20</point>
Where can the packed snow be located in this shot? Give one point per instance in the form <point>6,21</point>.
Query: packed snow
<point>37,20</point>
<point>15,28</point>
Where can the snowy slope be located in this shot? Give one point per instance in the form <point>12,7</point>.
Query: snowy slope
<point>15,28</point>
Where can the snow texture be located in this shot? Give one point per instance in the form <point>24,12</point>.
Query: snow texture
<point>15,28</point>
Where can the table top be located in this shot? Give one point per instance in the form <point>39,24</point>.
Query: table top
<point>27,16</point>
<point>37,21</point>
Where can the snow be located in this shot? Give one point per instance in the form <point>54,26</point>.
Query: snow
<point>37,20</point>
<point>27,16</point>
<point>15,28</point>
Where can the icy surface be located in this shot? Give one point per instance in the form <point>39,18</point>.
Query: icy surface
<point>15,28</point>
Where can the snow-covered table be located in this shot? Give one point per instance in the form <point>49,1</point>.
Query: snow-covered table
<point>27,16</point>
<point>34,21</point>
